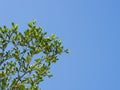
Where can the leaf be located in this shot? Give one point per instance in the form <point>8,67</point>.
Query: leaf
<point>30,24</point>
<point>4,45</point>
<point>13,24</point>
<point>53,36</point>
<point>28,59</point>
<point>50,75</point>
<point>67,51</point>
<point>4,27</point>
<point>21,87</point>
<point>16,27</point>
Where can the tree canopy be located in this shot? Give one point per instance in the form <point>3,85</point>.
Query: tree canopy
<point>25,58</point>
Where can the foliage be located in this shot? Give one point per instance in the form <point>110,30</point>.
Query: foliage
<point>25,58</point>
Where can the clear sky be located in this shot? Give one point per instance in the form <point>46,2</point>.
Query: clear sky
<point>89,28</point>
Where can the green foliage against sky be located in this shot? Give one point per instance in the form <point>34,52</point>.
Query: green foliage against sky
<point>25,58</point>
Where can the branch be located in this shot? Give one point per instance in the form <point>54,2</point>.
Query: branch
<point>20,77</point>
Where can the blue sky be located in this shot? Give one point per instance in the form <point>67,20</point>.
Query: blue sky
<point>89,28</point>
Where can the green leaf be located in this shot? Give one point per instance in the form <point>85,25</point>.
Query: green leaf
<point>21,87</point>
<point>4,45</point>
<point>50,75</point>
<point>53,36</point>
<point>28,59</point>
<point>16,27</point>
<point>30,24</point>
<point>67,51</point>
<point>13,24</point>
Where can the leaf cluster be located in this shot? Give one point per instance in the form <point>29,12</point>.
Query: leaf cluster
<point>25,58</point>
